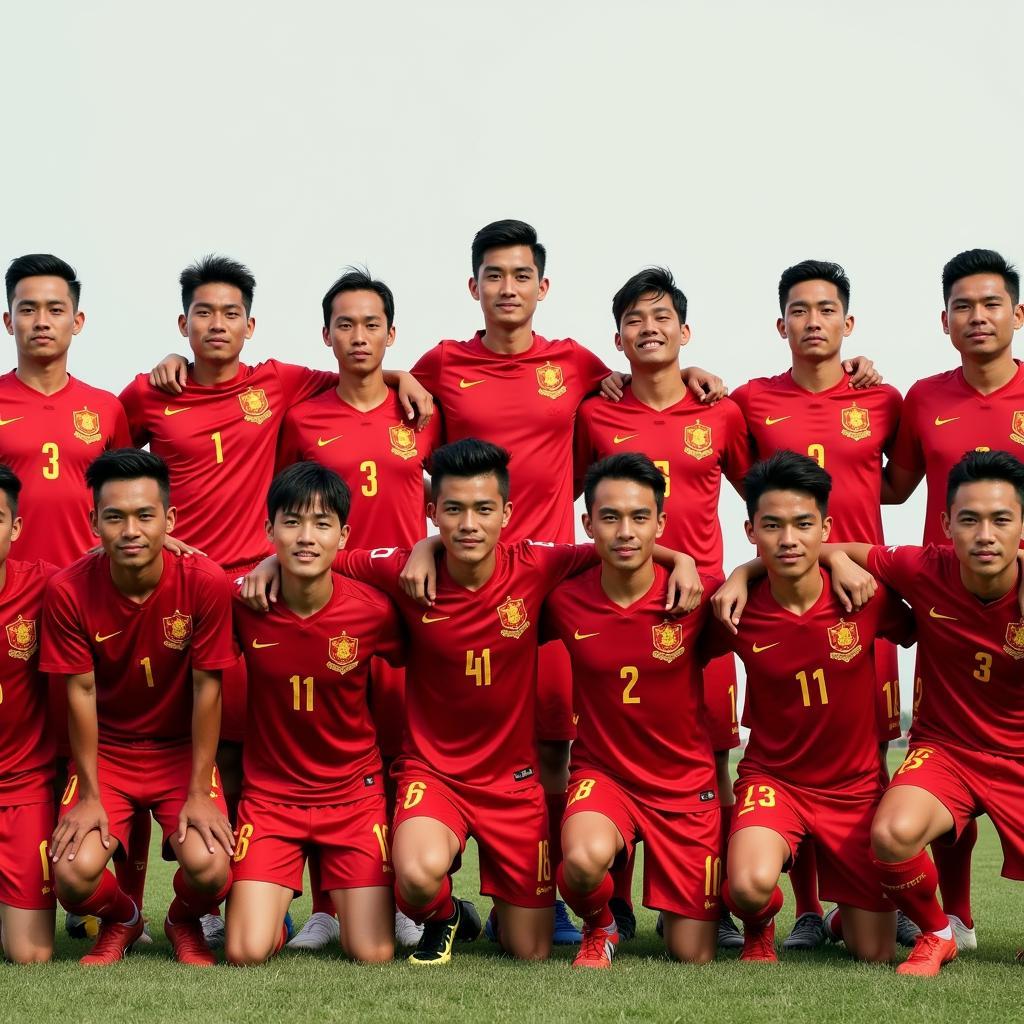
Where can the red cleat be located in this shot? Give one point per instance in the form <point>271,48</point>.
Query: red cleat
<point>597,947</point>
<point>759,943</point>
<point>188,943</point>
<point>112,943</point>
<point>930,952</point>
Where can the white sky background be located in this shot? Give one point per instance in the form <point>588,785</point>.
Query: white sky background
<point>726,140</point>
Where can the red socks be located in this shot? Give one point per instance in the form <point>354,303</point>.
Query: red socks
<point>131,872</point>
<point>911,885</point>
<point>754,918</point>
<point>440,908</point>
<point>109,902</point>
<point>803,876</point>
<point>591,906</point>
<point>953,863</point>
<point>622,880</point>
<point>193,903</point>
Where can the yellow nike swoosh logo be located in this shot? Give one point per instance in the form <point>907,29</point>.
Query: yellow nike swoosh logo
<point>936,615</point>
<point>321,443</point>
<point>584,636</point>
<point>770,421</point>
<point>437,618</point>
<point>767,647</point>
<point>168,411</point>
<point>463,383</point>
<point>257,646</point>
<point>3,423</point>
<point>100,639</point>
<point>619,438</point>
<point>941,422</point>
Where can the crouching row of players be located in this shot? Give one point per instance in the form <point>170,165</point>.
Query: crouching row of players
<point>128,625</point>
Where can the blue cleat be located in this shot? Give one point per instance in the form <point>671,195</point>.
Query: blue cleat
<point>565,932</point>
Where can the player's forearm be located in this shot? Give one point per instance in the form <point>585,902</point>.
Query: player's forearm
<point>83,733</point>
<point>898,484</point>
<point>857,553</point>
<point>748,572</point>
<point>206,708</point>
<point>671,559</point>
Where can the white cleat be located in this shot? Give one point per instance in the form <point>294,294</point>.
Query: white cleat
<point>146,938</point>
<point>407,931</point>
<point>213,930</point>
<point>319,932</point>
<point>966,938</point>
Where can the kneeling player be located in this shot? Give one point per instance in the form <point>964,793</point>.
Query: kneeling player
<point>810,687</point>
<point>142,638</point>
<point>321,790</point>
<point>642,765</point>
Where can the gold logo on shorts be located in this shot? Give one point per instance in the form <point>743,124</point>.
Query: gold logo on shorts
<point>550,382</point>
<point>87,425</point>
<point>255,405</point>
<point>856,422</point>
<point>514,618</point>
<point>668,641</point>
<point>342,653</point>
<point>1017,427</point>
<point>403,441</point>
<point>697,440</point>
<point>22,637</point>
<point>1014,645</point>
<point>177,631</point>
<point>844,639</point>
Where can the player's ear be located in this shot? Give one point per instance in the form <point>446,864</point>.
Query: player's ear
<point>345,531</point>
<point>269,527</point>
<point>391,337</point>
<point>848,327</point>
<point>16,527</point>
<point>618,342</point>
<point>826,529</point>
<point>250,326</point>
<point>506,514</point>
<point>947,525</point>
<point>588,527</point>
<point>474,289</point>
<point>327,337</point>
<point>662,517</point>
<point>749,527</point>
<point>780,326</point>
<point>94,522</point>
<point>8,323</point>
<point>945,323</point>
<point>183,325</point>
<point>543,290</point>
<point>684,330</point>
<point>432,512</point>
<point>79,322</point>
<point>172,518</point>
<point>1018,316</point>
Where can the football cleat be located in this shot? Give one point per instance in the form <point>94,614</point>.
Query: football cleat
<point>435,945</point>
<point>729,935</point>
<point>930,952</point>
<point>319,932</point>
<point>188,943</point>
<point>625,919</point>
<point>597,947</point>
<point>112,943</point>
<point>759,943</point>
<point>470,928</point>
<point>491,926</point>
<point>906,931</point>
<point>77,927</point>
<point>407,931</point>
<point>829,926</point>
<point>659,925</point>
<point>965,938</point>
<point>146,938</point>
<point>565,933</point>
<point>808,933</point>
<point>213,930</point>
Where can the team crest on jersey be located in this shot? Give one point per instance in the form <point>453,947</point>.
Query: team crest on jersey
<point>668,641</point>
<point>550,382</point>
<point>403,441</point>
<point>844,639</point>
<point>1014,645</point>
<point>697,440</point>
<point>1017,428</point>
<point>177,631</point>
<point>514,618</point>
<point>22,638</point>
<point>87,425</point>
<point>856,422</point>
<point>255,405</point>
<point>342,653</point>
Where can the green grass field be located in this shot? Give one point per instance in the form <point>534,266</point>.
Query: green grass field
<point>482,986</point>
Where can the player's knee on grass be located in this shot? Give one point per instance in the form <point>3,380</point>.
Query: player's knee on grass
<point>246,949</point>
<point>525,932</point>
<point>367,919</point>
<point>367,949</point>
<point>869,936</point>
<point>690,941</point>
<point>27,935</point>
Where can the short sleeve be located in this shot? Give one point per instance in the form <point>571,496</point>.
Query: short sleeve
<point>906,451</point>
<point>583,453</point>
<point>560,561</point>
<point>121,436</point>
<point>893,416</point>
<point>896,620</point>
<point>391,639</point>
<point>212,646</point>
<point>738,453</point>
<point>288,450</point>
<point>380,567</point>
<point>896,566</point>
<point>300,382</point>
<point>428,368</point>
<point>591,369</point>
<point>131,403</point>
<point>715,641</point>
<point>65,645</point>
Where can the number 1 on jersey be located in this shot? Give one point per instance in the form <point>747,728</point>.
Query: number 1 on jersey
<point>218,448</point>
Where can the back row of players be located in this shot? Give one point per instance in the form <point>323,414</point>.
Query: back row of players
<point>219,427</point>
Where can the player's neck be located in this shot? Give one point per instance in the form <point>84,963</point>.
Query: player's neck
<point>137,583</point>
<point>3,576</point>
<point>471,576</point>
<point>306,597</point>
<point>626,586</point>
<point>46,378</point>
<point>659,388</point>
<point>990,588</point>
<point>990,375</point>
<point>798,595</point>
<point>818,376</point>
<point>210,374</point>
<point>362,393</point>
<point>508,341</point>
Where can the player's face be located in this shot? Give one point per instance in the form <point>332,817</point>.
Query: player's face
<point>216,325</point>
<point>650,333</point>
<point>131,521</point>
<point>814,323</point>
<point>470,515</point>
<point>306,541</point>
<point>43,318</point>
<point>985,526</point>
<point>10,527</point>
<point>508,286</point>
<point>359,333</point>
<point>624,523</point>
<point>980,317</point>
<point>788,530</point>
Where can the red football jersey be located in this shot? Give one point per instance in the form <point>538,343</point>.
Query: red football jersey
<point>846,431</point>
<point>26,743</point>
<point>526,403</point>
<point>472,663</point>
<point>49,440</point>
<point>378,454</point>
<point>309,737</point>
<point>637,690</point>
<point>142,654</point>
<point>944,417</point>
<point>810,702</point>
<point>970,653</point>
<point>692,444</point>
<point>219,443</point>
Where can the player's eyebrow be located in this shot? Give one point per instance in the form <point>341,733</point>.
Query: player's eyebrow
<point>213,305</point>
<point>493,267</point>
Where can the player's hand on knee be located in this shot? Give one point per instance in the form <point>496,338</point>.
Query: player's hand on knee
<point>684,587</point>
<point>202,814</point>
<point>706,386</point>
<point>71,830</point>
<point>729,600</point>
<point>853,586</point>
<point>862,372</point>
<point>170,374</point>
<point>416,400</point>
<point>612,385</point>
<point>260,588</point>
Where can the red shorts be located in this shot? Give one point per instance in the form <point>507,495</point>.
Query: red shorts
<point>969,783</point>
<point>142,779</point>
<point>720,703</point>
<point>887,693</point>
<point>682,862</point>
<point>25,878</point>
<point>272,840</point>
<point>510,827</point>
<point>387,705</point>
<point>839,827</point>
<point>555,719</point>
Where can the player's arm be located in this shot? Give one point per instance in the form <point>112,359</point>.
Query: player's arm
<point>685,588</point>
<point>899,483</point>
<point>418,578</point>
<point>706,386</point>
<point>170,374</point>
<point>134,421</point>
<point>905,463</point>
<point>862,372</point>
<point>416,400</point>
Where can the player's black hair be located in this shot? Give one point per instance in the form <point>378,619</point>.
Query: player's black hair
<point>128,464</point>
<point>468,458</point>
<point>980,261</point>
<point>305,485</point>
<point>814,270</point>
<point>42,264</point>
<point>974,466</point>
<point>358,279</point>
<point>11,486</point>
<point>214,269</point>
<point>504,233</point>
<point>787,471</point>
<point>624,466</point>
<point>651,280</point>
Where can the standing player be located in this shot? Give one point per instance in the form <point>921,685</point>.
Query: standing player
<point>811,408</point>
<point>27,902</point>
<point>814,692</point>
<point>642,765</point>
<point>980,406</point>
<point>322,787</point>
<point>141,637</point>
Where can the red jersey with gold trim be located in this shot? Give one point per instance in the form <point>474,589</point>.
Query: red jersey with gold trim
<point>219,443</point>
<point>526,403</point>
<point>142,654</point>
<point>471,669</point>
<point>378,453</point>
<point>694,445</point>
<point>49,440</point>
<point>26,744</point>
<point>810,700</point>
<point>637,690</point>
<point>970,653</point>
<point>847,431</point>
<point>309,737</point>
<point>944,417</point>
